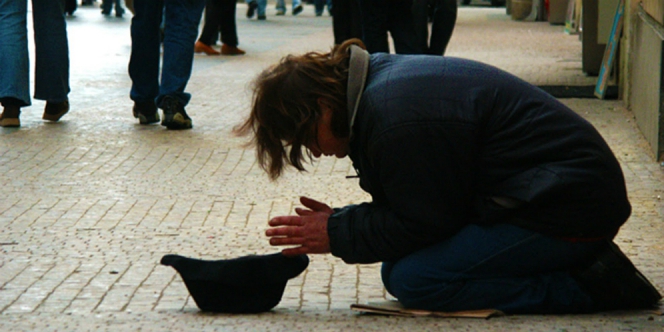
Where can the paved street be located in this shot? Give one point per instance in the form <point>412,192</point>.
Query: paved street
<point>90,204</point>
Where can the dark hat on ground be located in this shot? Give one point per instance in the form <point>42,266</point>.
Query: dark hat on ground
<point>248,284</point>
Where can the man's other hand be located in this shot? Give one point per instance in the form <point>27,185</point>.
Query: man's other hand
<point>307,231</point>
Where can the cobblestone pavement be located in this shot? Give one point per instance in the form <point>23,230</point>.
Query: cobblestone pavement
<point>88,205</point>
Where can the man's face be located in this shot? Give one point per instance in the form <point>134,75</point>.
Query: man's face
<point>326,143</point>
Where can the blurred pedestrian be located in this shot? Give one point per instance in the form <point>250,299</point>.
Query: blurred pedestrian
<point>319,7</point>
<point>442,14</point>
<point>394,16</point>
<point>281,7</point>
<point>219,18</point>
<point>257,7</point>
<point>70,6</point>
<point>346,20</point>
<point>51,59</point>
<point>107,6</point>
<point>181,21</point>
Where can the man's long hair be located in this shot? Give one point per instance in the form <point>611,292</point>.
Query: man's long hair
<point>285,110</point>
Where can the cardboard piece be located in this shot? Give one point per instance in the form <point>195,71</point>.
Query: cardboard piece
<point>394,308</point>
<point>659,311</point>
<point>610,51</point>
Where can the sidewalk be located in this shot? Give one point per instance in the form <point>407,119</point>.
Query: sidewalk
<point>90,204</point>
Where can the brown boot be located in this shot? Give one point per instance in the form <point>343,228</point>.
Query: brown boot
<point>54,111</point>
<point>9,117</point>
<point>231,50</point>
<point>200,47</point>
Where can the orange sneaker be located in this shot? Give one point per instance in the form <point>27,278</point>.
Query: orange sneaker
<point>200,47</point>
<point>231,50</point>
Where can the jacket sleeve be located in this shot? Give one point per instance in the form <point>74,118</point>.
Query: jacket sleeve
<point>424,172</point>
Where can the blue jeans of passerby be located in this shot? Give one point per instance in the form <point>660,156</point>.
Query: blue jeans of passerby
<point>181,18</point>
<point>262,4</point>
<point>281,4</point>
<point>51,51</point>
<point>502,266</point>
<point>319,6</point>
<point>107,5</point>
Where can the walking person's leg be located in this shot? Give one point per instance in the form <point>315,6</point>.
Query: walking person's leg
<point>144,59</point>
<point>106,7</point>
<point>420,12</point>
<point>281,7</point>
<point>181,30</point>
<point>346,19</point>
<point>210,33</point>
<point>228,28</point>
<point>119,11</point>
<point>402,29</point>
<point>374,26</point>
<point>14,61</point>
<point>261,9</point>
<point>444,19</point>
<point>319,7</point>
<point>297,7</point>
<point>51,57</point>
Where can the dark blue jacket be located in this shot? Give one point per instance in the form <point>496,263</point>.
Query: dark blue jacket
<point>441,143</point>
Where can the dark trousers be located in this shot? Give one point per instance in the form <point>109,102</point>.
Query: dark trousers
<point>443,14</point>
<point>219,17</point>
<point>346,20</point>
<point>395,16</point>
<point>107,6</point>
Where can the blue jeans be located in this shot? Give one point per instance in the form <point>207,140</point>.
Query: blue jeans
<point>281,4</point>
<point>181,18</point>
<point>107,6</point>
<point>262,4</point>
<point>502,266</point>
<point>319,6</point>
<point>51,51</point>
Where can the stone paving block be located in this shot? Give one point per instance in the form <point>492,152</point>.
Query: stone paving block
<point>218,214</point>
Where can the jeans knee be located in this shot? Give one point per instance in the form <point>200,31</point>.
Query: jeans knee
<point>415,289</point>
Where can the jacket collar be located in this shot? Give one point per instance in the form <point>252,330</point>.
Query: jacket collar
<point>358,68</point>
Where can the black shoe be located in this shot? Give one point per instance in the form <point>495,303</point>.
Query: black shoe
<point>297,9</point>
<point>10,116</point>
<point>261,17</point>
<point>614,283</point>
<point>146,112</point>
<point>175,116</point>
<point>252,8</point>
<point>54,111</point>
<point>70,6</point>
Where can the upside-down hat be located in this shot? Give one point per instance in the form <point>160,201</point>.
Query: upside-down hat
<point>248,284</point>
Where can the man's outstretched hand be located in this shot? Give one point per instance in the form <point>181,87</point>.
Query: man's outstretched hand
<point>307,230</point>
